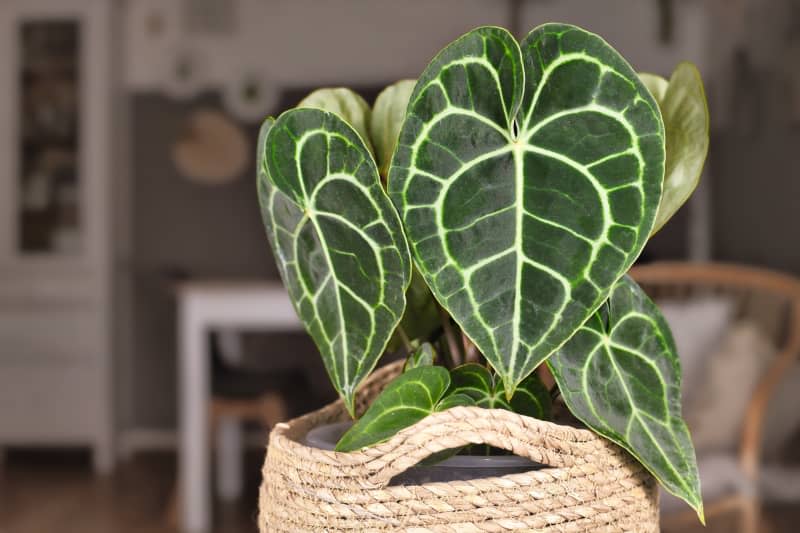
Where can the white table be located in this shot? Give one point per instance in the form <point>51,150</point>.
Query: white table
<point>204,306</point>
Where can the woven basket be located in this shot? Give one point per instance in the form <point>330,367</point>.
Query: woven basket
<point>590,485</point>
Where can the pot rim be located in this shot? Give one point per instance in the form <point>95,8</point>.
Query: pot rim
<point>315,438</point>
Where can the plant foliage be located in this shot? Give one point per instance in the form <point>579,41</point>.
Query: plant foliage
<point>476,381</point>
<point>340,247</point>
<point>620,374</point>
<point>682,101</point>
<point>405,401</point>
<point>524,179</point>
<point>541,166</point>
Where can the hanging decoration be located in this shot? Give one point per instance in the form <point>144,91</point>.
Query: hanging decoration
<point>250,98</point>
<point>184,75</point>
<point>213,149</point>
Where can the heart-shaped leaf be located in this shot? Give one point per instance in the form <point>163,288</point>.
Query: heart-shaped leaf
<point>387,118</point>
<point>683,105</point>
<point>422,315</point>
<point>347,104</point>
<point>620,374</point>
<point>409,398</point>
<point>476,381</point>
<point>379,129</point>
<point>528,181</point>
<point>336,237</point>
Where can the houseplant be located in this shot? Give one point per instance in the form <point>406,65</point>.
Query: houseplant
<point>506,192</point>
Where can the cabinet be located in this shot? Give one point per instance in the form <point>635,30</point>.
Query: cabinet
<point>55,243</point>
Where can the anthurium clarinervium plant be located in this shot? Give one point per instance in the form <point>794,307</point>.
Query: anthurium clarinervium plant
<point>484,218</point>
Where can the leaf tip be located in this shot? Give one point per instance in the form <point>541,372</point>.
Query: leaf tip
<point>345,443</point>
<point>267,122</point>
<point>342,445</point>
<point>350,404</point>
<point>510,388</point>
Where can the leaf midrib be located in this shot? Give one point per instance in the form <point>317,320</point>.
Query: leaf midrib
<point>518,149</point>
<point>522,353</point>
<point>606,346</point>
<point>309,212</point>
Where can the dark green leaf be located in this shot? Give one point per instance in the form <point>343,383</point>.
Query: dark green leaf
<point>528,181</point>
<point>622,378</point>
<point>476,381</point>
<point>409,398</point>
<point>422,356</point>
<point>336,237</point>
<point>454,400</point>
<point>532,398</point>
<point>683,105</point>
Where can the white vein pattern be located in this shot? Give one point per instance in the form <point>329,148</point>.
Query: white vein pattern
<point>620,374</point>
<point>338,241</point>
<point>524,202</point>
<point>477,382</point>
<point>406,400</point>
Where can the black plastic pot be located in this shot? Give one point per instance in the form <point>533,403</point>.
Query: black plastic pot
<point>455,468</point>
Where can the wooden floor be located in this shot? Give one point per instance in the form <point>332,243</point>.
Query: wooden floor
<point>49,492</point>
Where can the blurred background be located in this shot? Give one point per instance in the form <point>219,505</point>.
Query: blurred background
<point>141,326</point>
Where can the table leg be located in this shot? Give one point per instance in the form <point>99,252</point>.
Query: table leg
<point>194,389</point>
<point>230,458</point>
<point>103,458</point>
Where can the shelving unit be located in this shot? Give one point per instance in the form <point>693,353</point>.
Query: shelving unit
<point>55,243</point>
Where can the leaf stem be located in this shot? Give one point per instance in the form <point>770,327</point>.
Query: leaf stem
<point>549,380</point>
<point>404,339</point>
<point>471,353</point>
<point>444,351</point>
<point>450,336</point>
<point>545,375</point>
<point>555,392</point>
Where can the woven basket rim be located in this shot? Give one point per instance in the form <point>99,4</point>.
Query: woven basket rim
<point>590,485</point>
<point>550,445</point>
<point>283,430</point>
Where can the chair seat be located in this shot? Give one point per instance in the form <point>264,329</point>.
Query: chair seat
<point>241,384</point>
<point>720,476</point>
<point>780,483</point>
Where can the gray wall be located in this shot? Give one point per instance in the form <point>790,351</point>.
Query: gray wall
<point>216,232</point>
<point>756,193</point>
<point>184,230</point>
<point>179,227</point>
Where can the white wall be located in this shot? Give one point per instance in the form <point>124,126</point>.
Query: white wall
<point>368,41</point>
<point>631,26</point>
<point>281,43</point>
<point>303,42</point>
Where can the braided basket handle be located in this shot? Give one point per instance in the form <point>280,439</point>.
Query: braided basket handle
<point>542,442</point>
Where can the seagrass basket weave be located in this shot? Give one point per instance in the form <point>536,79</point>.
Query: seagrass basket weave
<point>590,483</point>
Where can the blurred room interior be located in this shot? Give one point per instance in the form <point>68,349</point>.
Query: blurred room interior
<point>142,321</point>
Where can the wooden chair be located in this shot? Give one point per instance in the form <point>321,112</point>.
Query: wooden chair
<point>238,396</point>
<point>772,301</point>
<point>267,409</point>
